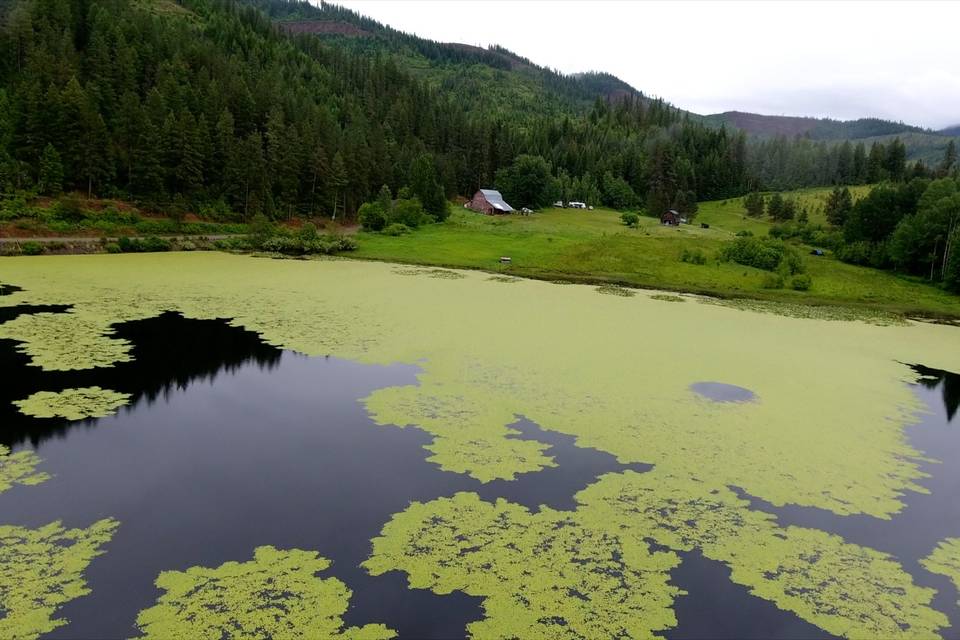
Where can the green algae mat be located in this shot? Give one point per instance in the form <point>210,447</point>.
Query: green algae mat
<point>825,428</point>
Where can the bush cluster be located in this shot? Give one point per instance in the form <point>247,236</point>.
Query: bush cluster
<point>693,256</point>
<point>630,219</point>
<point>769,254</point>
<point>150,244</point>
<point>378,215</point>
<point>265,236</point>
<point>814,235</point>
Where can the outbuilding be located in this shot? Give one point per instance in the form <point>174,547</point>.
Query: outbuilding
<point>490,202</point>
<point>671,217</point>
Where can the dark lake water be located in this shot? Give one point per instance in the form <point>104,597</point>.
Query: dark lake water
<point>230,444</point>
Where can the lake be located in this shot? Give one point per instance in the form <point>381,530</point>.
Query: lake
<point>469,455</point>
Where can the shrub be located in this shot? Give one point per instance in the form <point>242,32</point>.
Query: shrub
<point>112,247</point>
<point>772,281</point>
<point>630,219</point>
<point>69,210</point>
<point>186,245</point>
<point>694,256</point>
<point>236,243</point>
<point>281,244</point>
<point>746,233</point>
<point>409,212</point>
<point>129,245</point>
<point>372,216</point>
<point>31,248</point>
<point>791,262</point>
<point>396,229</point>
<point>768,254</point>
<point>261,229</point>
<point>218,211</point>
<point>801,282</point>
<point>16,207</point>
<point>153,243</point>
<point>863,252</point>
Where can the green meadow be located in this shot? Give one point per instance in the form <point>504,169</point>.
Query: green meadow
<point>595,246</point>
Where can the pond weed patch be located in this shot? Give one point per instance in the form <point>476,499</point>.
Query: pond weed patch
<point>829,432</point>
<point>277,594</point>
<point>42,569</point>
<point>73,404</point>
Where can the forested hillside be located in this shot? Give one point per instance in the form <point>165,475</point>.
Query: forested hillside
<point>921,144</point>
<point>212,104</point>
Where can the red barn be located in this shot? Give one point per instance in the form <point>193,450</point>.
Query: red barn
<point>670,217</point>
<point>489,202</point>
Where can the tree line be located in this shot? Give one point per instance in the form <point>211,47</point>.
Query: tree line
<point>208,104</point>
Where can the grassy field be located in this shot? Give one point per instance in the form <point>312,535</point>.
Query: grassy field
<point>732,216</point>
<point>594,246</point>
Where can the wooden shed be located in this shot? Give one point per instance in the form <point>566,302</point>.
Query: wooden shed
<point>671,217</point>
<point>490,202</point>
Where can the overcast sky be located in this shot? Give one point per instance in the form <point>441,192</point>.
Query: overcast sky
<point>892,60</point>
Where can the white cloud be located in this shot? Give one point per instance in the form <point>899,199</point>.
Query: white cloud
<point>895,60</point>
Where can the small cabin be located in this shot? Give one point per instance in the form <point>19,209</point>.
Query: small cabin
<point>490,202</point>
<point>671,217</point>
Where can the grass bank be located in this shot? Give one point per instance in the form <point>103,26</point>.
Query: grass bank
<point>594,246</point>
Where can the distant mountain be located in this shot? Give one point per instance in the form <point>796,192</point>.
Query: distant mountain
<point>922,144</point>
<point>493,79</point>
<point>813,128</point>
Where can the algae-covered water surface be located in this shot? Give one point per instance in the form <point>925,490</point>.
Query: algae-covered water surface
<point>207,445</point>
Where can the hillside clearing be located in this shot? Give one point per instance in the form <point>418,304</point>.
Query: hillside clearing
<point>595,246</point>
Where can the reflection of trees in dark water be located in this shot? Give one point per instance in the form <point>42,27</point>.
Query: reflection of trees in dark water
<point>949,383</point>
<point>169,352</point>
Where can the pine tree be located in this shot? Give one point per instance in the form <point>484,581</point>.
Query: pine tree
<point>896,161</point>
<point>949,159</point>
<point>51,172</point>
<point>876,169</point>
<point>338,181</point>
<point>426,187</point>
<point>859,164</point>
<point>754,203</point>
<point>775,206</point>
<point>385,199</point>
<point>839,204</point>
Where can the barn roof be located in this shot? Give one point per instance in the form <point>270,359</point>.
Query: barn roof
<point>496,200</point>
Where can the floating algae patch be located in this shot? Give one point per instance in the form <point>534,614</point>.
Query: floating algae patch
<point>465,443</point>
<point>613,375</point>
<point>507,279</point>
<point>541,575</point>
<point>42,569</point>
<point>275,595</point>
<point>66,341</point>
<point>809,312</point>
<point>945,560</point>
<point>845,589</point>
<point>444,274</point>
<point>722,392</point>
<point>73,404</point>
<point>19,468</point>
<point>616,290</point>
<point>591,572</point>
<point>663,297</point>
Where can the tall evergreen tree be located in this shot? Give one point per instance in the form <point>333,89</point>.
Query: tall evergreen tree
<point>425,186</point>
<point>949,162</point>
<point>50,181</point>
